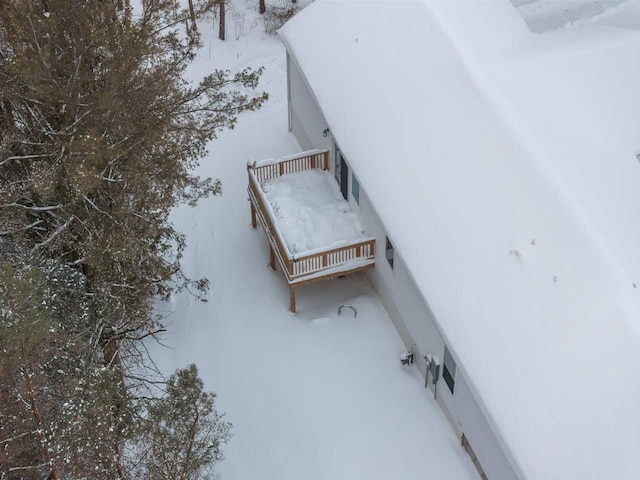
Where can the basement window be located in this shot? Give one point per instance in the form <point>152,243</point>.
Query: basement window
<point>389,253</point>
<point>355,188</point>
<point>449,369</point>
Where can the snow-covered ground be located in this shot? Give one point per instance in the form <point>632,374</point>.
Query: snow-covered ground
<point>315,395</point>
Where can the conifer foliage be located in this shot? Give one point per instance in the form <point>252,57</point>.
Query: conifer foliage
<point>57,418</point>
<point>183,433</point>
<point>99,134</point>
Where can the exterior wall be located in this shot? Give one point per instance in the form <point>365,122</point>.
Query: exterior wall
<point>406,306</point>
<point>306,120</point>
<point>479,434</point>
<point>417,325</point>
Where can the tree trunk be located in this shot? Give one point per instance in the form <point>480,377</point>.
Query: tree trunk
<point>192,12</point>
<point>263,7</point>
<point>112,359</point>
<point>53,474</point>
<point>221,31</point>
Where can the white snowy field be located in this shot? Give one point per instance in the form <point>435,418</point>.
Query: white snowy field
<point>315,395</point>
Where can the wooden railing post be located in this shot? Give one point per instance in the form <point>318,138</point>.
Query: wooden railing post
<point>272,258</point>
<point>292,299</point>
<point>253,215</point>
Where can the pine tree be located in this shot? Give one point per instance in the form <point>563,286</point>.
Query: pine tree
<point>182,433</point>
<point>57,417</point>
<point>99,135</point>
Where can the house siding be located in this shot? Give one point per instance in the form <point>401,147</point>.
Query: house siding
<point>407,308</point>
<point>417,325</point>
<point>307,121</point>
<point>478,432</point>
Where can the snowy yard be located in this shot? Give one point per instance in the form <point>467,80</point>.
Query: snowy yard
<point>314,395</point>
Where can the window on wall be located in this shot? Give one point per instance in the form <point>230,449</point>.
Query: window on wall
<point>355,188</point>
<point>389,253</point>
<point>449,369</point>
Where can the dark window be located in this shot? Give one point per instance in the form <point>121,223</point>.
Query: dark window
<point>342,173</point>
<point>389,252</point>
<point>449,369</point>
<point>355,188</point>
<point>344,177</point>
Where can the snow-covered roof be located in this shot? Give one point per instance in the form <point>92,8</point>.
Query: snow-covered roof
<point>512,157</point>
<point>546,15</point>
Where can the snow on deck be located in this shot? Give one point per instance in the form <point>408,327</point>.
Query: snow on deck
<point>311,212</point>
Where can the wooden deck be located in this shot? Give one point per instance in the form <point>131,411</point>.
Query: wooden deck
<point>307,267</point>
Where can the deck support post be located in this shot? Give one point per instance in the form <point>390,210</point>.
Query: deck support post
<point>272,258</point>
<point>253,215</point>
<point>292,299</point>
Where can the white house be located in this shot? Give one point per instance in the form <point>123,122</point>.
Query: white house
<point>498,170</point>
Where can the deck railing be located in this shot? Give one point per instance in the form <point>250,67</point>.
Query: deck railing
<point>263,214</point>
<point>310,160</point>
<point>316,262</point>
<point>297,269</point>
